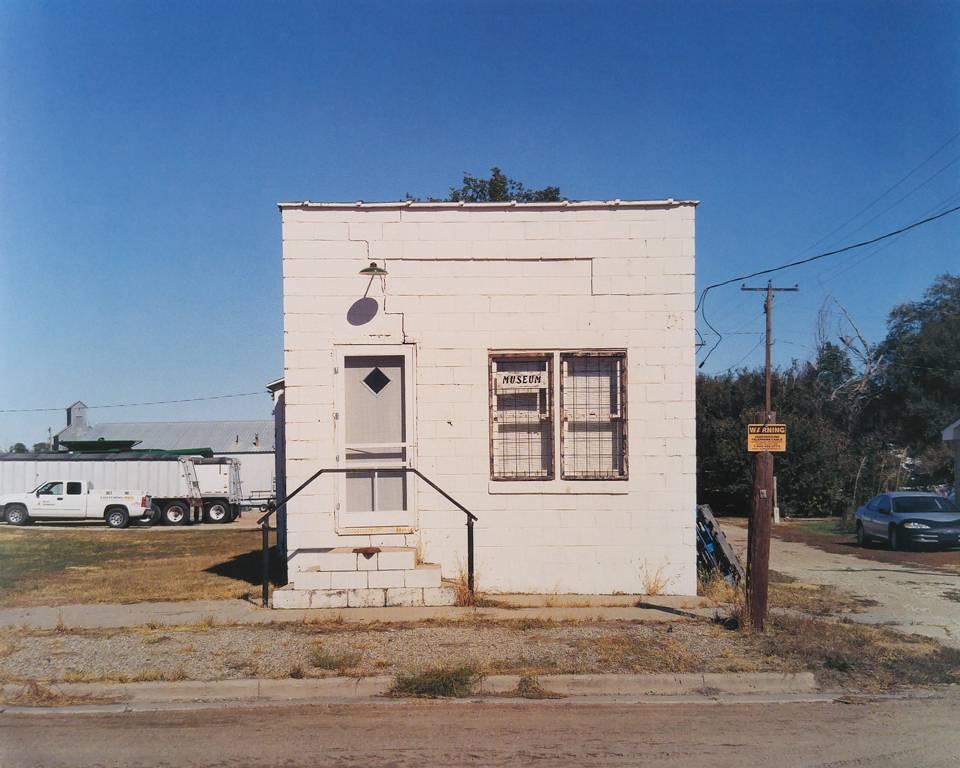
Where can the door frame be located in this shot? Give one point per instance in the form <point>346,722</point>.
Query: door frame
<point>341,352</point>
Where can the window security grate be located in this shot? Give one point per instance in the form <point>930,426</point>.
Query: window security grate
<point>521,417</point>
<point>592,403</point>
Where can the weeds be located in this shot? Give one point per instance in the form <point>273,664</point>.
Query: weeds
<point>7,648</point>
<point>465,597</point>
<point>632,653</point>
<point>715,588</point>
<point>654,582</point>
<point>338,662</point>
<point>846,654</point>
<point>526,624</point>
<point>438,682</point>
<point>34,694</point>
<point>296,672</point>
<point>528,687</point>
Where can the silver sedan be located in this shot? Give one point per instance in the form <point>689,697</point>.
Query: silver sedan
<point>903,518</point>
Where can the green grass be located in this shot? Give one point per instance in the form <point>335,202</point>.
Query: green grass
<point>439,682</point>
<point>828,526</point>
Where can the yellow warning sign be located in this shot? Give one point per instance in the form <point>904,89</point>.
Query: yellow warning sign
<point>766,437</point>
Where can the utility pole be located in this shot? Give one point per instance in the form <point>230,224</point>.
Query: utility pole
<point>758,536</point>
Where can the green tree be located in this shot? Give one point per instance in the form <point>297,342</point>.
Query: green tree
<point>500,188</point>
<point>920,378</point>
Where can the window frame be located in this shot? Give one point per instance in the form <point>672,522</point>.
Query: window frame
<point>554,359</point>
<point>621,356</point>
<point>533,356</point>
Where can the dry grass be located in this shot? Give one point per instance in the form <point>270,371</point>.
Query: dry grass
<point>75,565</point>
<point>33,694</point>
<point>140,676</point>
<point>849,655</point>
<point>456,681</point>
<point>654,582</point>
<point>816,599</point>
<point>465,598</point>
<point>630,653</point>
<point>715,588</point>
<point>528,687</point>
<point>8,647</point>
<point>341,662</point>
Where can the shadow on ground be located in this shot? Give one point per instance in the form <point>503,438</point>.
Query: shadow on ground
<point>248,568</point>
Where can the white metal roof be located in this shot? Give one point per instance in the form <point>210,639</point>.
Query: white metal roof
<point>219,436</point>
<point>407,204</point>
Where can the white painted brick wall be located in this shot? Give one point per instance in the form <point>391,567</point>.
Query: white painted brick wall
<point>465,281</point>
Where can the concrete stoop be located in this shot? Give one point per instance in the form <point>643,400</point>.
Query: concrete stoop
<point>364,577</point>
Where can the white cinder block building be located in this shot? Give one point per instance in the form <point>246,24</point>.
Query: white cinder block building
<point>535,361</point>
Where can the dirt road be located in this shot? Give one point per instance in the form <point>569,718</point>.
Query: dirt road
<point>910,598</point>
<point>890,734</point>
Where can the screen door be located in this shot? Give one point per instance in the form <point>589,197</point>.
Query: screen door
<point>376,438</point>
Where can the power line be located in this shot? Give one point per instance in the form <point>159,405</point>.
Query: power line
<point>703,295</point>
<point>133,405</point>
<point>890,189</point>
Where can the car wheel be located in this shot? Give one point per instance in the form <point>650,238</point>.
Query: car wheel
<point>861,536</point>
<point>16,514</point>
<point>894,538</point>
<point>118,517</point>
<point>176,513</point>
<point>217,511</point>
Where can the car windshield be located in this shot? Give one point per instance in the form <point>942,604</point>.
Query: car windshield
<point>924,504</point>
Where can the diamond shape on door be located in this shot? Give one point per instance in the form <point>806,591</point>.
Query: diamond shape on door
<point>376,380</point>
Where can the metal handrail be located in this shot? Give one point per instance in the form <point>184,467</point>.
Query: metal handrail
<point>270,508</point>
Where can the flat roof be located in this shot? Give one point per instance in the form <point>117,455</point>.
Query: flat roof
<point>408,204</point>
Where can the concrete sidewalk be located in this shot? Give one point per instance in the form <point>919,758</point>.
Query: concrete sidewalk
<point>104,697</point>
<point>556,607</point>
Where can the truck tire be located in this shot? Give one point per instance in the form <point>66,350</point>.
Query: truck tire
<point>152,517</point>
<point>217,511</point>
<point>176,513</point>
<point>117,517</point>
<point>16,514</point>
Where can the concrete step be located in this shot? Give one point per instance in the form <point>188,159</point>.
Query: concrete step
<point>350,559</point>
<point>425,576</point>
<point>295,597</point>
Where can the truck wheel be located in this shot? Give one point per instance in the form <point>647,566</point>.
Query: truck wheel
<point>216,511</point>
<point>176,513</point>
<point>152,517</point>
<point>16,514</point>
<point>117,517</point>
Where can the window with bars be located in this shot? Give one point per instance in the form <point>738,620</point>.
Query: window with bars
<point>521,417</point>
<point>593,416</point>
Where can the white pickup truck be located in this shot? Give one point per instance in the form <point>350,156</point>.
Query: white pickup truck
<point>73,500</point>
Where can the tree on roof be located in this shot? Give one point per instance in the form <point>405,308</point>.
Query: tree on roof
<point>499,188</point>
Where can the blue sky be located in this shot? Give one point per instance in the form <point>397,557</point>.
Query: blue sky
<point>143,147</point>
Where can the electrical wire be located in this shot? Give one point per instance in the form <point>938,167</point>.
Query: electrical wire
<point>701,303</point>
<point>132,405</point>
<point>880,197</point>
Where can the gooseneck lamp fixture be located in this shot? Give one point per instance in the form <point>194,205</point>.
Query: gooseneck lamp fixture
<point>374,270</point>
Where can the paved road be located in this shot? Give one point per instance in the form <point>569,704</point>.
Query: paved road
<point>890,734</point>
<point>910,598</point>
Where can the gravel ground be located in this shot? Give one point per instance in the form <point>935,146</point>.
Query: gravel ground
<point>224,652</point>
